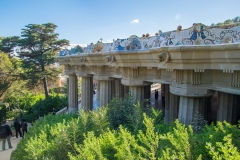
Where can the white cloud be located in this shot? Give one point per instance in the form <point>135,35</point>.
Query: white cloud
<point>177,16</point>
<point>135,21</point>
<point>72,45</point>
<point>108,41</point>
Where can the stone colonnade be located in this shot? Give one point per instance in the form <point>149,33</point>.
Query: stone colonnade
<point>178,107</point>
<point>193,78</point>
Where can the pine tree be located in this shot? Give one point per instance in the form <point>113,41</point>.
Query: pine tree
<point>38,45</point>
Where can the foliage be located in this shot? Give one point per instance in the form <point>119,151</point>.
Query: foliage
<point>29,106</point>
<point>123,111</point>
<point>122,144</point>
<point>44,106</point>
<point>198,122</point>
<point>228,21</point>
<point>224,150</point>
<point>236,19</point>
<point>38,46</point>
<point>78,49</point>
<point>94,135</point>
<point>54,136</point>
<point>214,134</point>
<point>10,71</point>
<point>7,45</point>
<point>38,143</point>
<point>3,111</point>
<point>62,90</point>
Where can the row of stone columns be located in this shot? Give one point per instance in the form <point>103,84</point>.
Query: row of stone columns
<point>87,93</point>
<point>176,107</point>
<point>228,107</point>
<point>107,89</point>
<point>73,94</point>
<point>184,108</point>
<point>105,92</point>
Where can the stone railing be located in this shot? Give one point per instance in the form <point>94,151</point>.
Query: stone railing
<point>65,109</point>
<point>62,111</point>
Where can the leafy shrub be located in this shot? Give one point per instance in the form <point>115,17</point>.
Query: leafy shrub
<point>45,106</point>
<point>23,101</point>
<point>54,136</point>
<point>126,112</point>
<point>225,150</point>
<point>94,135</point>
<point>3,112</point>
<point>214,134</point>
<point>119,110</point>
<point>39,141</point>
<point>149,144</point>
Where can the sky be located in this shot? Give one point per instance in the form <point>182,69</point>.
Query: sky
<point>86,21</point>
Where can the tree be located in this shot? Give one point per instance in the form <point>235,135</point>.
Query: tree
<point>228,21</point>
<point>7,45</point>
<point>38,45</point>
<point>10,73</point>
<point>219,24</point>
<point>3,111</point>
<point>78,49</point>
<point>236,19</point>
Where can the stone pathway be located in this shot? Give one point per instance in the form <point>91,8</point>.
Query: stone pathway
<point>6,154</point>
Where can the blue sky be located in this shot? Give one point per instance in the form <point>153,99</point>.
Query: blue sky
<point>86,21</point>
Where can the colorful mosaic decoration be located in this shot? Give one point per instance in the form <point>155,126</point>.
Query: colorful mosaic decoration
<point>198,34</point>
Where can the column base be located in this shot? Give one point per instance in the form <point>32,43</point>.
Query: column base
<point>188,107</point>
<point>72,110</point>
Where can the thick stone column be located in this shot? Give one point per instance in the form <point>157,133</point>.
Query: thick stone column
<point>188,107</point>
<point>207,108</point>
<point>228,107</point>
<point>118,88</point>
<point>98,90</point>
<point>147,92</point>
<point>138,93</point>
<point>87,93</point>
<point>167,102</point>
<point>73,94</point>
<point>173,107</point>
<point>125,90</point>
<point>113,89</point>
<point>105,92</point>
<point>147,95</point>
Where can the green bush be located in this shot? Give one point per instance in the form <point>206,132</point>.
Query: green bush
<point>126,112</point>
<point>39,141</point>
<point>3,112</point>
<point>23,101</point>
<point>45,106</point>
<point>94,135</point>
<point>31,106</point>
<point>54,136</point>
<point>62,90</point>
<point>122,144</point>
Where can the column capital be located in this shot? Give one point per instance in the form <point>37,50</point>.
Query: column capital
<point>103,78</point>
<point>82,74</point>
<point>134,82</point>
<point>69,72</point>
<point>191,91</point>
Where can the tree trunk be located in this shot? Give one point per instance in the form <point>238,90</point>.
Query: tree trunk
<point>44,81</point>
<point>45,87</point>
